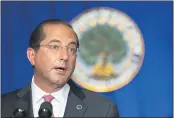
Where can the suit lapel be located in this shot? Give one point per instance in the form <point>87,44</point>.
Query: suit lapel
<point>75,105</point>
<point>25,94</point>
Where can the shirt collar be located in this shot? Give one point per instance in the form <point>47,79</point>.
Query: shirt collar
<point>37,93</point>
<point>61,94</point>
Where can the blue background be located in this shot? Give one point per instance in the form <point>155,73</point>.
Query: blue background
<point>150,92</point>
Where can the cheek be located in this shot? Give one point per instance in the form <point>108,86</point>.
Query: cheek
<point>44,61</point>
<point>72,63</point>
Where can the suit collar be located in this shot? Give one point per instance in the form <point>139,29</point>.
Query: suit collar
<point>75,105</point>
<point>25,95</point>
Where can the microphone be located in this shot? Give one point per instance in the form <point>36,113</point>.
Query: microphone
<point>20,109</point>
<point>46,110</point>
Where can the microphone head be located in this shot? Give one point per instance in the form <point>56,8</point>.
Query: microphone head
<point>46,110</point>
<point>20,109</point>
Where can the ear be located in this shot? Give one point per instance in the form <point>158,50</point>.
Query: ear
<point>31,56</point>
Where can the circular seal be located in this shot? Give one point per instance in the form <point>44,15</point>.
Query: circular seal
<point>111,49</point>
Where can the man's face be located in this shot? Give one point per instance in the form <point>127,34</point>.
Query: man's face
<point>55,60</point>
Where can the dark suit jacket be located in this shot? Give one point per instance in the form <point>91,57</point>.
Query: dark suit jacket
<point>93,105</point>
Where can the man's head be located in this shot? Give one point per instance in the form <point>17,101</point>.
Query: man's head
<point>52,51</point>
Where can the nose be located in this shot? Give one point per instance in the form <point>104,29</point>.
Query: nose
<point>64,54</point>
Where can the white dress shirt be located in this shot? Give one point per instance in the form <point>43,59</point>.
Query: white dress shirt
<point>58,103</point>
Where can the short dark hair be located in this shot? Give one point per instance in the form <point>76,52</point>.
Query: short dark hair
<point>38,35</point>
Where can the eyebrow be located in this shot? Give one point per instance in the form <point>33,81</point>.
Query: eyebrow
<point>54,40</point>
<point>73,43</point>
<point>58,41</point>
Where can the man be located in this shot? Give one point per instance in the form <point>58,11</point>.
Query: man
<point>52,53</point>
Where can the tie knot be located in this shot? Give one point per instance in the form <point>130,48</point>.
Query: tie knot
<point>48,98</point>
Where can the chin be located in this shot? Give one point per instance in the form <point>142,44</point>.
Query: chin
<point>58,79</point>
<point>59,82</point>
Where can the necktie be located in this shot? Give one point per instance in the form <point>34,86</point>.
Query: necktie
<point>49,98</point>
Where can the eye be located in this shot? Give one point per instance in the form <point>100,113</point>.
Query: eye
<point>72,50</point>
<point>54,46</point>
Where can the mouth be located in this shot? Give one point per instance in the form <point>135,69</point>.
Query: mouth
<point>61,69</point>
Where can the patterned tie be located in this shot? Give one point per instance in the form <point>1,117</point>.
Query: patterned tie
<point>49,98</point>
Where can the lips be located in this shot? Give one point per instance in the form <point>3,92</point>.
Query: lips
<point>60,69</point>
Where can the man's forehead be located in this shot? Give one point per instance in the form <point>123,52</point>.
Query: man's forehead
<point>59,29</point>
<point>59,32</point>
<point>57,26</point>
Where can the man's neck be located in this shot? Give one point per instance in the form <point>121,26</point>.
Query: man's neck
<point>45,85</point>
